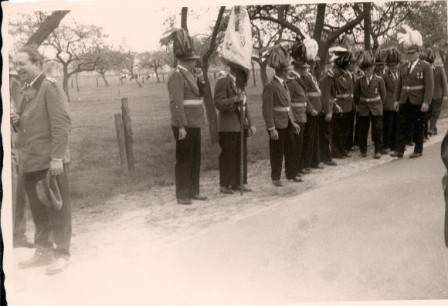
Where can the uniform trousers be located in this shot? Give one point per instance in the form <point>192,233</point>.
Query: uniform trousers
<point>298,146</point>
<point>434,113</point>
<point>283,147</point>
<point>377,132</point>
<point>49,220</point>
<point>325,131</point>
<point>350,130</point>
<point>340,135</point>
<point>390,126</point>
<point>311,150</point>
<point>410,118</point>
<point>18,199</point>
<point>356,136</point>
<point>230,159</point>
<point>188,163</point>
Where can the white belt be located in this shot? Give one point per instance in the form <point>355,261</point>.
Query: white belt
<point>370,99</point>
<point>298,104</point>
<point>313,94</point>
<point>417,87</point>
<point>345,96</point>
<point>193,102</point>
<point>282,108</point>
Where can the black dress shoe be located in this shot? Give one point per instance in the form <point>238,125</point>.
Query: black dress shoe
<point>385,151</point>
<point>226,190</point>
<point>330,163</point>
<point>346,154</point>
<point>184,201</point>
<point>297,179</point>
<point>41,257</point>
<point>363,154</point>
<point>245,188</point>
<point>58,265</point>
<point>377,155</point>
<point>415,155</point>
<point>277,183</point>
<point>410,144</point>
<point>318,167</point>
<point>305,171</point>
<point>199,197</point>
<point>396,154</point>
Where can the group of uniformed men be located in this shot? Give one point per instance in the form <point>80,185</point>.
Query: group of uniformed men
<point>310,122</point>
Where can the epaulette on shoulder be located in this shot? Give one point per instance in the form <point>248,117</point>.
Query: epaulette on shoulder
<point>51,80</point>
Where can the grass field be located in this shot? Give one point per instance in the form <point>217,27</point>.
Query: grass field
<point>96,171</point>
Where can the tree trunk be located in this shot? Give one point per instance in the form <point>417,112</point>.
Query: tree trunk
<point>323,54</point>
<point>76,81</point>
<point>138,83</point>
<point>320,21</point>
<point>157,73</point>
<point>253,75</point>
<point>263,73</point>
<point>210,105</point>
<point>103,75</point>
<point>367,8</point>
<point>65,78</point>
<point>183,20</point>
<point>46,28</point>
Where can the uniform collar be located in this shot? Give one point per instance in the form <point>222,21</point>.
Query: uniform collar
<point>279,79</point>
<point>37,81</point>
<point>296,74</point>
<point>182,67</point>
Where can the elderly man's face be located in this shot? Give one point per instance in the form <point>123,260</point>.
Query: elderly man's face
<point>26,69</point>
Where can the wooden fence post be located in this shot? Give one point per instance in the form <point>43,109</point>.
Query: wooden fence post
<point>97,84</point>
<point>121,142</point>
<point>127,132</point>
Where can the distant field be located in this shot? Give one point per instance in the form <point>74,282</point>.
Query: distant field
<point>95,159</point>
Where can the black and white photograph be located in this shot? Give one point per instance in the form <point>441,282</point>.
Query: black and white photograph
<point>222,152</point>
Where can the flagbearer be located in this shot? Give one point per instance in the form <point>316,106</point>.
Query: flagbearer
<point>390,115</point>
<point>279,120</point>
<point>307,95</point>
<point>187,117</point>
<point>229,93</point>
<point>414,93</point>
<point>369,93</point>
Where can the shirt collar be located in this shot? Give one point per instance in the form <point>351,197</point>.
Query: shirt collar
<point>279,79</point>
<point>296,73</point>
<point>232,77</point>
<point>182,67</point>
<point>414,63</point>
<point>35,79</point>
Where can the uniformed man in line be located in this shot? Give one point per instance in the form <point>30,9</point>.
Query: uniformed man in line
<point>337,86</point>
<point>279,119</point>
<point>369,93</point>
<point>444,154</point>
<point>380,61</point>
<point>19,200</point>
<point>390,115</point>
<point>229,93</point>
<point>440,94</point>
<point>187,117</point>
<point>43,122</point>
<point>357,73</point>
<point>308,94</point>
<point>415,88</point>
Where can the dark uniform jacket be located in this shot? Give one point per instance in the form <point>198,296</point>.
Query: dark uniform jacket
<point>337,88</point>
<point>313,92</point>
<point>276,107</point>
<point>418,86</point>
<point>44,125</point>
<point>391,86</point>
<point>440,86</point>
<point>299,101</point>
<point>229,112</point>
<point>369,97</point>
<point>185,100</point>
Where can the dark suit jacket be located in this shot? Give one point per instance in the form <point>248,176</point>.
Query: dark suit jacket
<point>44,125</point>
<point>363,90</point>
<point>183,86</point>
<point>229,113</point>
<point>440,86</point>
<point>444,153</point>
<point>276,96</point>
<point>391,86</point>
<point>299,102</point>
<point>312,91</point>
<point>337,87</point>
<point>422,76</point>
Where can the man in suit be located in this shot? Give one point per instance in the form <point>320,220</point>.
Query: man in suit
<point>369,93</point>
<point>229,93</point>
<point>187,117</point>
<point>337,90</point>
<point>413,96</point>
<point>279,120</point>
<point>43,124</point>
<point>440,94</point>
<point>444,153</point>
<point>390,115</point>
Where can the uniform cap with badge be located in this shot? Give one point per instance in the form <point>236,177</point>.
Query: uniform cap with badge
<point>341,56</point>
<point>368,59</point>
<point>304,51</point>
<point>393,56</point>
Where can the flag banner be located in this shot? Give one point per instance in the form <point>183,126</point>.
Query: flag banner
<point>237,47</point>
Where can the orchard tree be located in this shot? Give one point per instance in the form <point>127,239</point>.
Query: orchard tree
<point>109,59</point>
<point>130,65</point>
<point>155,60</point>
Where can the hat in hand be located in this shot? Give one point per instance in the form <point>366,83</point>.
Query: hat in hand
<point>48,193</point>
